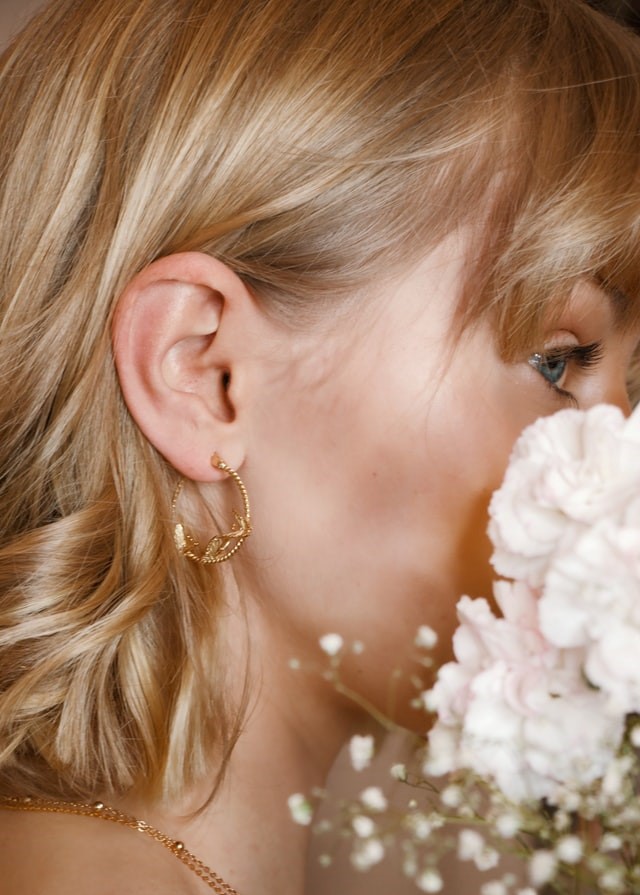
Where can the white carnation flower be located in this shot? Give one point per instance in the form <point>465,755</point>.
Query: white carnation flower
<point>567,471</point>
<point>591,600</point>
<point>515,709</point>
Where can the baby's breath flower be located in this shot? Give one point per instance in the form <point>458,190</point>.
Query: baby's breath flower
<point>610,842</point>
<point>494,887</point>
<point>487,859</point>
<point>294,664</point>
<point>363,826</point>
<point>614,779</point>
<point>399,771</point>
<point>542,867</point>
<point>300,809</point>
<point>325,860</point>
<point>428,700</point>
<point>568,799</point>
<point>561,821</point>
<point>569,849</point>
<point>597,863</point>
<point>429,880</point>
<point>374,799</point>
<point>472,847</point>
<point>634,736</point>
<point>470,844</point>
<point>409,860</point>
<point>426,638</point>
<point>452,796</point>
<point>507,824</point>
<point>629,815</point>
<point>367,853</point>
<point>612,880</point>
<point>419,825</point>
<point>331,644</point>
<point>361,751</point>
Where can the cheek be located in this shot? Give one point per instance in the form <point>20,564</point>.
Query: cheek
<point>371,512</point>
<point>473,422</point>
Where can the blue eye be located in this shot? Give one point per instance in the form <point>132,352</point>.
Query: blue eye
<point>554,364</point>
<point>551,367</point>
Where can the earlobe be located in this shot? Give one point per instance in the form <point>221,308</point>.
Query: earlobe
<point>176,354</point>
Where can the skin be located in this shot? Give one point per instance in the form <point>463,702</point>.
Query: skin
<point>369,446</point>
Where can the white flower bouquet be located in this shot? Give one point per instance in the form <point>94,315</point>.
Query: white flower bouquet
<point>538,718</point>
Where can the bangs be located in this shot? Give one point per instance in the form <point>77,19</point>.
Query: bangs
<point>567,207</point>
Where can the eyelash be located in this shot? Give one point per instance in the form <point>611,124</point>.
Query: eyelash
<point>586,357</point>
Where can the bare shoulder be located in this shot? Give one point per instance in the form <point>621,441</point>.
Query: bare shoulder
<point>56,855</point>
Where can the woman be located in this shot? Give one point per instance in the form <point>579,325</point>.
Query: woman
<point>282,282</point>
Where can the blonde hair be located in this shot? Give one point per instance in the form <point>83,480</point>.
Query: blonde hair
<point>314,146</point>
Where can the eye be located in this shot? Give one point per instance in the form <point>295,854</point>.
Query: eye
<point>555,365</point>
<point>551,367</point>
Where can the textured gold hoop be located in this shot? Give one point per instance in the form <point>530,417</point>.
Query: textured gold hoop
<point>220,547</point>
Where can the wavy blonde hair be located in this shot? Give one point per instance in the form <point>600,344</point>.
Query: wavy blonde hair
<point>314,146</point>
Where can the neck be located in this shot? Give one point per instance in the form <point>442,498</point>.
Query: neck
<point>292,734</point>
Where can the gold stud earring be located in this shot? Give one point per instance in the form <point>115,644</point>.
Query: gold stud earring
<point>221,547</point>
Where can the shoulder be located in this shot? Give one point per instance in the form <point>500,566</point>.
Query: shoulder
<point>45,854</point>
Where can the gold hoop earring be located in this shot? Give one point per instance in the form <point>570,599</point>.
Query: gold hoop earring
<point>220,547</point>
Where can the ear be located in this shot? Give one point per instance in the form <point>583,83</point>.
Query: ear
<point>177,348</point>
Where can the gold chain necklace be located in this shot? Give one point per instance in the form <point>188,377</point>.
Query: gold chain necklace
<point>100,810</point>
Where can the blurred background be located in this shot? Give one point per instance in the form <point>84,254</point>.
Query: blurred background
<point>13,13</point>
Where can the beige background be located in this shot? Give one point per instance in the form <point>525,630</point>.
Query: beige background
<point>12,14</point>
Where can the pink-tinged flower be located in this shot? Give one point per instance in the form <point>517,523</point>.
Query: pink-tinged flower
<point>591,600</point>
<point>514,708</point>
<point>567,472</point>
